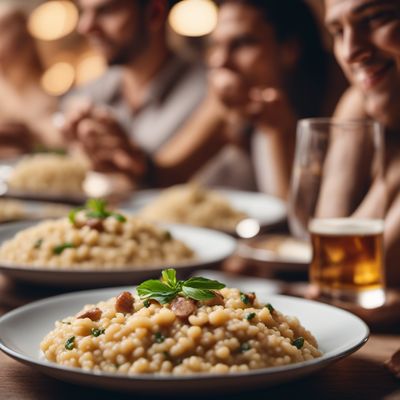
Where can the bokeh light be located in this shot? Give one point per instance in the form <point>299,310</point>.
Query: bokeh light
<point>53,20</point>
<point>89,67</point>
<point>193,17</point>
<point>58,79</point>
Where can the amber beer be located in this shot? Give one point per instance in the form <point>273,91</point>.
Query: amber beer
<point>348,257</point>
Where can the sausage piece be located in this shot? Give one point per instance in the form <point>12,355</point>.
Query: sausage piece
<point>94,314</point>
<point>124,303</point>
<point>183,307</point>
<point>218,300</point>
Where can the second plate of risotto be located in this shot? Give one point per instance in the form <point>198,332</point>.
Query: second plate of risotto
<point>97,246</point>
<point>221,209</point>
<point>173,336</point>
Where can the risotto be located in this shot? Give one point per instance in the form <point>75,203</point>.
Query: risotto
<point>191,204</point>
<point>91,240</point>
<point>130,334</point>
<point>51,173</point>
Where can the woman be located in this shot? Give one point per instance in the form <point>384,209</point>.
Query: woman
<point>25,109</point>
<point>268,68</point>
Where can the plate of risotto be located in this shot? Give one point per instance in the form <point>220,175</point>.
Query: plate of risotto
<point>45,176</point>
<point>221,209</point>
<point>172,336</point>
<point>97,246</point>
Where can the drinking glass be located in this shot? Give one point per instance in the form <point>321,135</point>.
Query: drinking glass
<point>337,201</point>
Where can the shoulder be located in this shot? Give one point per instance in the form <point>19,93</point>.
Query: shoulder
<point>100,90</point>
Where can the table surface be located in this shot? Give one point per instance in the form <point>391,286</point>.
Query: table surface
<point>360,376</point>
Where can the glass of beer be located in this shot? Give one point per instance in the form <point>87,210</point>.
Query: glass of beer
<point>337,201</point>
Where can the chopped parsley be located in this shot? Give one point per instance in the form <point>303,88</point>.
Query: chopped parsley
<point>244,298</point>
<point>250,316</point>
<point>270,308</point>
<point>61,247</point>
<point>97,332</point>
<point>245,347</point>
<point>299,342</point>
<point>159,337</point>
<point>146,303</point>
<point>70,343</point>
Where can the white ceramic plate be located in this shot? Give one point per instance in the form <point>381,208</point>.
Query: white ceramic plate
<point>266,210</point>
<point>338,332</point>
<point>277,252</point>
<point>211,247</point>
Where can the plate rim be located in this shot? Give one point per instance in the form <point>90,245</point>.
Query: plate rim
<point>246,250</point>
<point>270,371</point>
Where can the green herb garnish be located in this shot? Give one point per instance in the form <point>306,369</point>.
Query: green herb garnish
<point>166,289</point>
<point>159,337</point>
<point>250,316</point>
<point>96,208</point>
<point>72,214</point>
<point>146,303</point>
<point>97,332</point>
<point>38,244</point>
<point>65,323</point>
<point>70,343</point>
<point>244,298</point>
<point>60,248</point>
<point>118,217</point>
<point>245,347</point>
<point>299,342</point>
<point>270,308</point>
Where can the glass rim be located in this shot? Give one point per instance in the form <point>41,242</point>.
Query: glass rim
<point>338,122</point>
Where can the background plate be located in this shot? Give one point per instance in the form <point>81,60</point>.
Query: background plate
<point>266,210</point>
<point>211,247</point>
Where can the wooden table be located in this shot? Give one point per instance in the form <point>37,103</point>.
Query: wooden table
<point>360,376</point>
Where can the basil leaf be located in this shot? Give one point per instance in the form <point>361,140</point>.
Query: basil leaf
<point>198,294</point>
<point>97,214</point>
<point>72,214</point>
<point>203,283</point>
<point>98,205</point>
<point>118,217</point>
<point>169,277</point>
<point>154,289</point>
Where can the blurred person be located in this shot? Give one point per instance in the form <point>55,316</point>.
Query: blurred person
<point>264,62</point>
<point>366,38</point>
<point>268,68</point>
<point>25,109</point>
<point>145,95</point>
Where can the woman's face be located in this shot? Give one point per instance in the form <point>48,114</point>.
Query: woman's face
<point>245,44</point>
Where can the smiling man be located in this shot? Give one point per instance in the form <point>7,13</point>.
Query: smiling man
<point>366,37</point>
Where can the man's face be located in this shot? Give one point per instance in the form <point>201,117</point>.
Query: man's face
<point>366,36</point>
<point>245,44</point>
<point>117,28</point>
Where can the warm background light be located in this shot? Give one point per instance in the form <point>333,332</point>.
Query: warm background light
<point>53,20</point>
<point>193,17</point>
<point>58,79</point>
<point>90,66</point>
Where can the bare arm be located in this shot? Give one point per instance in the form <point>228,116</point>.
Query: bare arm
<point>200,139</point>
<point>338,190</point>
